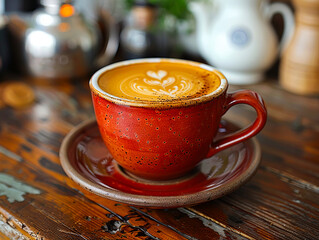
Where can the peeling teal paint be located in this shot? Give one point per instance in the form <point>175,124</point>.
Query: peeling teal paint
<point>13,189</point>
<point>10,154</point>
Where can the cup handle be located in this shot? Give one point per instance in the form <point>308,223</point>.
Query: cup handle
<point>241,97</point>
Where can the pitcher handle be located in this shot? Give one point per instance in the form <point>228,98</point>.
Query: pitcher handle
<point>241,97</point>
<point>112,39</point>
<point>289,22</point>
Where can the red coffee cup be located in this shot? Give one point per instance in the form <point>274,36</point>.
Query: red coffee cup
<point>160,141</point>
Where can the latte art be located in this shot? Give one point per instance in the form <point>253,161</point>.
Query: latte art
<point>157,81</point>
<point>156,84</point>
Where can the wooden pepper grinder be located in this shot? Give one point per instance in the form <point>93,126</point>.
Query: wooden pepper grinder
<point>299,69</point>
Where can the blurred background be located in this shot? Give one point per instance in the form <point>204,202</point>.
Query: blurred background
<point>248,40</point>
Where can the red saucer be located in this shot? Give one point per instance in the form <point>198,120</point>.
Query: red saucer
<point>87,161</point>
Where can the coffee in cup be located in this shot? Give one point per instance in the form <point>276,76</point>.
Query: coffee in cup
<point>151,82</point>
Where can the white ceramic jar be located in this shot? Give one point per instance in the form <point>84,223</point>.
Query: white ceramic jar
<point>236,36</point>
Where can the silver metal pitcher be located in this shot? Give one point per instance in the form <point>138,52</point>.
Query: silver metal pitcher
<point>60,43</point>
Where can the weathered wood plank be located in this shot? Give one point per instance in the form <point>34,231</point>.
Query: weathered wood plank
<point>59,212</point>
<point>189,222</point>
<point>267,207</point>
<point>172,219</point>
<point>7,232</point>
<point>120,218</point>
<point>49,164</point>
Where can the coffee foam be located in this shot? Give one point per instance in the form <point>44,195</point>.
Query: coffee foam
<point>153,81</point>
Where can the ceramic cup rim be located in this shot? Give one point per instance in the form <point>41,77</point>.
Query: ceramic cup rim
<point>95,88</point>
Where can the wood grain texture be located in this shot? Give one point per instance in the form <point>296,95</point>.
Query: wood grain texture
<point>8,232</point>
<point>279,202</point>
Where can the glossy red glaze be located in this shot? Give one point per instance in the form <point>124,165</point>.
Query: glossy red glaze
<point>161,144</point>
<point>87,161</point>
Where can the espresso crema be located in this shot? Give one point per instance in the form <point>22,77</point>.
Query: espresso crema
<point>159,81</point>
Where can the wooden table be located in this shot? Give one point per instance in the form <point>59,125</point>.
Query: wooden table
<point>38,200</point>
